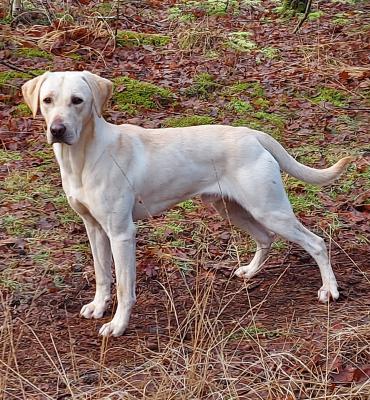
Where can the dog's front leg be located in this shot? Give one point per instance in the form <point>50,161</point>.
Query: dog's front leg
<point>102,255</point>
<point>123,248</point>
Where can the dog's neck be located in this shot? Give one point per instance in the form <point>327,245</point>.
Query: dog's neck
<point>72,159</point>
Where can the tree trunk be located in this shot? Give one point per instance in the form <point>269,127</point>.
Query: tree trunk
<point>295,5</point>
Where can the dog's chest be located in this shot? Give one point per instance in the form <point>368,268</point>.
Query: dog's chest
<point>76,198</point>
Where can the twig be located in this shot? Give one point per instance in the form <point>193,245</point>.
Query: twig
<point>117,19</point>
<point>15,68</point>
<point>307,11</point>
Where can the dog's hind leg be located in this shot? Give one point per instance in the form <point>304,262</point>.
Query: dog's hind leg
<point>269,205</point>
<point>242,219</point>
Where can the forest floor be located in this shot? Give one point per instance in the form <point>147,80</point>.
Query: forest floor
<point>197,331</point>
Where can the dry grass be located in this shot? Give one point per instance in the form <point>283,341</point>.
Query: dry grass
<point>201,355</point>
<point>198,37</point>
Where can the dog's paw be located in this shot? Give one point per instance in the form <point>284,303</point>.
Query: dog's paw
<point>93,310</point>
<point>112,328</point>
<point>327,292</point>
<point>245,272</point>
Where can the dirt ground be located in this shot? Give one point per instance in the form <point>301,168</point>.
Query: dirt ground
<point>196,332</point>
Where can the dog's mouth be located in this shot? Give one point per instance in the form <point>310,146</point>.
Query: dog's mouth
<point>67,141</point>
<point>66,138</point>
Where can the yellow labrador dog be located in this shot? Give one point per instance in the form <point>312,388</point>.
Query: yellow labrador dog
<point>114,175</point>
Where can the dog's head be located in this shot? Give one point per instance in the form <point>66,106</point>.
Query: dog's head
<point>67,100</point>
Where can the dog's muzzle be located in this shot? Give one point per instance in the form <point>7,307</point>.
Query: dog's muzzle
<point>59,133</point>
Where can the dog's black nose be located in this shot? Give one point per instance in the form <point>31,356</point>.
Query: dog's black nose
<point>58,130</point>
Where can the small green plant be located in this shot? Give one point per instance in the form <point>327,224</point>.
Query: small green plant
<point>274,119</point>
<point>329,95</point>
<point>41,257</point>
<point>105,8</point>
<point>237,88</point>
<point>270,53</point>
<point>10,284</point>
<point>252,89</point>
<point>178,13</point>
<point>131,94</point>
<point>74,56</point>
<point>239,106</point>
<point>131,39</point>
<point>7,76</point>
<point>315,15</point>
<point>261,103</point>
<point>303,197</point>
<point>15,227</point>
<point>214,7</point>
<point>340,19</point>
<point>203,85</point>
<point>32,52</point>
<point>240,41</point>
<point>188,205</point>
<point>22,110</point>
<point>263,121</point>
<point>253,332</point>
<point>9,156</point>
<point>279,245</point>
<point>189,120</point>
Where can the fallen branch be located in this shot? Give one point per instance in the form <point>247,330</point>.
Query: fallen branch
<point>15,68</point>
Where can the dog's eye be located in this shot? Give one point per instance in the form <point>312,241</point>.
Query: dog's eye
<point>47,100</point>
<point>76,100</point>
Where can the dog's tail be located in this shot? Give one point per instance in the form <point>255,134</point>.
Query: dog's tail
<point>302,172</point>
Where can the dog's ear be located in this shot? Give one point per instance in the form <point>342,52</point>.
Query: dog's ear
<point>31,92</point>
<point>101,90</point>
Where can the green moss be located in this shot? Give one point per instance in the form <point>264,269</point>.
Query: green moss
<point>22,110</point>
<point>329,95</point>
<point>203,85</point>
<point>131,94</point>
<point>105,8</point>
<point>8,283</point>
<point>303,197</point>
<point>37,72</point>
<point>237,88</point>
<point>27,185</point>
<point>179,14</point>
<point>307,154</point>
<point>188,205</point>
<point>239,106</point>
<point>9,156</point>
<point>261,103</point>
<point>17,227</point>
<point>240,41</point>
<point>130,39</point>
<point>217,7</point>
<point>74,56</point>
<point>340,19</point>
<point>271,53</point>
<point>33,53</point>
<point>257,89</point>
<point>274,119</point>
<point>191,9</point>
<point>252,89</point>
<point>249,123</point>
<point>6,20</point>
<point>189,120</point>
<point>262,121</point>
<point>6,77</point>
<point>315,15</point>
